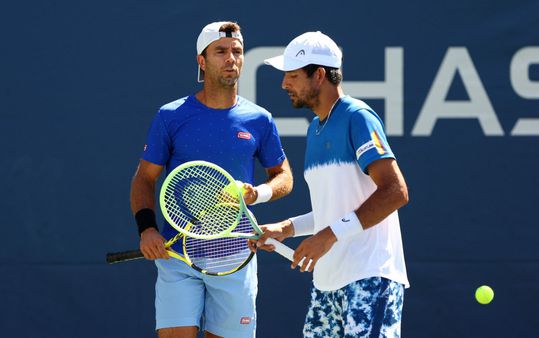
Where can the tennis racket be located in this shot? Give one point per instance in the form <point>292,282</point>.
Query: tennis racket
<point>205,205</point>
<point>215,257</point>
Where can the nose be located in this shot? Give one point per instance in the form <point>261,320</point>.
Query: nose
<point>230,58</point>
<point>284,83</point>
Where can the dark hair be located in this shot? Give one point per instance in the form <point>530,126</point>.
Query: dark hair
<point>334,75</point>
<point>228,27</point>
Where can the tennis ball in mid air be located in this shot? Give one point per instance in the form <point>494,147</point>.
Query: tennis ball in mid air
<point>484,294</point>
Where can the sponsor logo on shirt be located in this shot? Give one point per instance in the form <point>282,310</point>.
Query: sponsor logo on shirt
<point>363,148</point>
<point>145,147</point>
<point>244,135</point>
<point>374,142</point>
<point>245,320</point>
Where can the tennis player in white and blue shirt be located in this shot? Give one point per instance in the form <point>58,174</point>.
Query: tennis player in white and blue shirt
<point>355,248</point>
<point>218,126</point>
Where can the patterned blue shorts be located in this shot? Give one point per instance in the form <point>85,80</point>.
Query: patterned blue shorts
<point>368,308</point>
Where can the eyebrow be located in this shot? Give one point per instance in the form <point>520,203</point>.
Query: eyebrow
<point>222,48</point>
<point>227,47</point>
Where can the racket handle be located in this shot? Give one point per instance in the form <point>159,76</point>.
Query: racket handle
<point>281,249</point>
<point>117,257</point>
<point>285,251</point>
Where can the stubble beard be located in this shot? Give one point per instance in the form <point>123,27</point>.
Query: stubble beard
<point>228,82</point>
<point>309,100</point>
<point>222,80</point>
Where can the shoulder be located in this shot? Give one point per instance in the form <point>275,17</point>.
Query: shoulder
<point>177,110</point>
<point>355,106</point>
<point>252,109</point>
<point>175,105</point>
<point>359,111</point>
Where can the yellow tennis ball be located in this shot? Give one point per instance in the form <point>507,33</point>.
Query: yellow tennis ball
<point>484,294</point>
<point>232,189</point>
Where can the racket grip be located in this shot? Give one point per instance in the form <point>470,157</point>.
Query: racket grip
<point>285,251</point>
<point>117,257</point>
<point>281,249</point>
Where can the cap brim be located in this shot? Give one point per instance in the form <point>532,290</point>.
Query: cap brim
<point>285,64</point>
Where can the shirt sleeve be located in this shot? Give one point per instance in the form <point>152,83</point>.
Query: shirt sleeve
<point>368,138</point>
<point>270,151</point>
<point>158,143</point>
<point>303,224</point>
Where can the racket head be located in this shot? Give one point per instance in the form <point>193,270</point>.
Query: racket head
<point>195,188</point>
<point>220,256</point>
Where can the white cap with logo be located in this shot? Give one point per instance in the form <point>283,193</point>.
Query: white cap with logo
<point>309,48</point>
<point>211,33</point>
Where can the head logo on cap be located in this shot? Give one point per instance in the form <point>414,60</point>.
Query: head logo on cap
<point>309,48</point>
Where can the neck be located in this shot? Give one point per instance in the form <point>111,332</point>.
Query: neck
<point>327,102</point>
<point>218,97</point>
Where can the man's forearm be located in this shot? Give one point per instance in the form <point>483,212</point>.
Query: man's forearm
<point>281,185</point>
<point>380,205</point>
<point>142,195</point>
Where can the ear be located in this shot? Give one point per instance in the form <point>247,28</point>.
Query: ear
<point>201,62</point>
<point>320,74</point>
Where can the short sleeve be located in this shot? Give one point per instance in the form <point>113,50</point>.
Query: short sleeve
<point>158,143</point>
<point>270,150</point>
<point>368,138</point>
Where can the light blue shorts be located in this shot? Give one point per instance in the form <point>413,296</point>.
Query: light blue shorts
<point>368,308</point>
<point>223,305</point>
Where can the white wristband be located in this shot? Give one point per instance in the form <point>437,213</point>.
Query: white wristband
<point>347,227</point>
<point>303,224</point>
<point>264,193</point>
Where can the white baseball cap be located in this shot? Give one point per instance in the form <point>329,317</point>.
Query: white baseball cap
<point>309,48</point>
<point>211,33</point>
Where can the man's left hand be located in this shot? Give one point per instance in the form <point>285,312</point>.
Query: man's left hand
<point>312,249</point>
<point>249,193</point>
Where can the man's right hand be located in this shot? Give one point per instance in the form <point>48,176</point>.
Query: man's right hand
<point>278,231</point>
<point>152,244</point>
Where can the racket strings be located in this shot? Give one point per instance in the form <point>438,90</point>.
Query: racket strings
<point>219,255</point>
<point>192,196</point>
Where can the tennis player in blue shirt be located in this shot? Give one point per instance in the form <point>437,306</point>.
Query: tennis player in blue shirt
<point>218,126</point>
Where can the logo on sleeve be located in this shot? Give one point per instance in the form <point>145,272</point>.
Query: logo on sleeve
<point>244,135</point>
<point>363,148</point>
<point>245,320</point>
<point>145,147</point>
<point>374,142</point>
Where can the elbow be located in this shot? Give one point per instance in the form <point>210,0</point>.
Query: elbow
<point>290,184</point>
<point>403,196</point>
<point>287,182</point>
<point>398,195</point>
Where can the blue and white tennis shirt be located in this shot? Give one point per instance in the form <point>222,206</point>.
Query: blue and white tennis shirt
<point>186,130</point>
<point>336,161</point>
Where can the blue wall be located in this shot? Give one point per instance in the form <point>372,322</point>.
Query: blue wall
<point>80,82</point>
